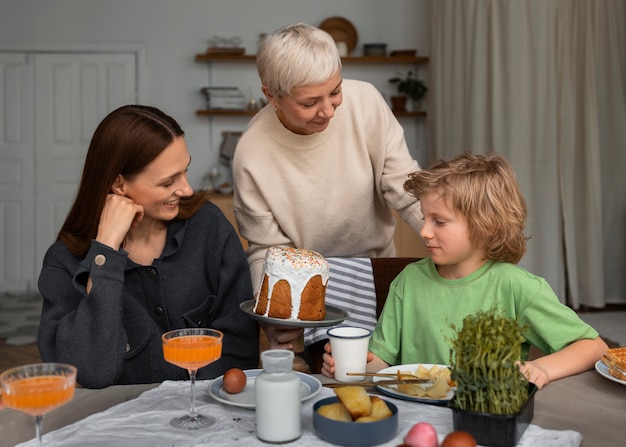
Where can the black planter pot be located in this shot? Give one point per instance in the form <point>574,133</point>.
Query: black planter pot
<point>496,430</point>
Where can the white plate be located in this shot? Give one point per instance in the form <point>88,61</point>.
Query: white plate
<point>309,387</point>
<point>604,371</point>
<point>393,392</point>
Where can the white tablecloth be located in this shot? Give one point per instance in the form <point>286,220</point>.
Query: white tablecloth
<point>145,422</point>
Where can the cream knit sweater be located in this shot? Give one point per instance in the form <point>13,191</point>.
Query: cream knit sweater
<point>330,191</point>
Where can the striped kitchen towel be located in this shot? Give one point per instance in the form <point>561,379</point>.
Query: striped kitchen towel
<point>350,287</point>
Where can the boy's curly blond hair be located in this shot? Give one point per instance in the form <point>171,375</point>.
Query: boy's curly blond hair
<point>483,189</point>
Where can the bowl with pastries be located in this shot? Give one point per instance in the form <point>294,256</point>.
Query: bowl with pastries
<point>355,418</point>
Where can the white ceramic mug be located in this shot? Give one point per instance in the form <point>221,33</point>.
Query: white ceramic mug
<point>349,346</point>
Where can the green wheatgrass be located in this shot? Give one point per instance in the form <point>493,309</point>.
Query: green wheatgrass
<point>483,360</point>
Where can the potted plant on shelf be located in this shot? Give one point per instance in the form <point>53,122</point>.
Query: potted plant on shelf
<point>493,400</point>
<point>409,85</point>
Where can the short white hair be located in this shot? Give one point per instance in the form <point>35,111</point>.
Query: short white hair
<point>296,55</point>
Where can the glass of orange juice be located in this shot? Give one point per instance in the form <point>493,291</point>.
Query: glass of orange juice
<point>38,388</point>
<point>192,348</point>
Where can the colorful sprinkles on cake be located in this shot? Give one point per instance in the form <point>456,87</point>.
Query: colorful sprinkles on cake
<point>299,257</point>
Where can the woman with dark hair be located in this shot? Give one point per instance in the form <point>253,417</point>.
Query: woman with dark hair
<point>140,254</point>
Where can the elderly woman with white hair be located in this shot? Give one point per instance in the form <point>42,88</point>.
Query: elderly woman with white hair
<point>322,165</point>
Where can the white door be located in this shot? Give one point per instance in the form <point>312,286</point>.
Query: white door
<point>17,178</point>
<point>73,92</point>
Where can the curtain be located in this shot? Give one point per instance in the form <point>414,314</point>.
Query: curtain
<point>543,82</point>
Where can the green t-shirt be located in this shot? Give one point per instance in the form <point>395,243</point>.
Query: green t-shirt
<point>414,326</point>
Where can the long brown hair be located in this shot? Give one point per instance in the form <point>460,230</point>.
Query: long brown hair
<point>483,189</point>
<point>125,142</point>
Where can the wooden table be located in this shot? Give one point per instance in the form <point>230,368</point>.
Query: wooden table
<point>587,403</point>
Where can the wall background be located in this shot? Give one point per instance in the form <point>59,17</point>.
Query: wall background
<point>172,32</point>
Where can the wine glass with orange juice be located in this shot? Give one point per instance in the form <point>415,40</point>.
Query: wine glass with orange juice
<point>37,389</point>
<point>192,348</point>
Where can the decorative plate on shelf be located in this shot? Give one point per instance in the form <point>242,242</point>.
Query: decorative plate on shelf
<point>341,30</point>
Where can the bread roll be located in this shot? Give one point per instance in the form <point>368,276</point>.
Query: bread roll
<point>356,400</point>
<point>336,412</point>
<point>380,410</point>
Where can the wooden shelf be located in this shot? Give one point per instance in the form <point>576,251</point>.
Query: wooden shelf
<point>347,60</point>
<point>384,60</point>
<point>219,112</point>
<point>222,112</point>
<point>377,60</point>
<point>225,57</point>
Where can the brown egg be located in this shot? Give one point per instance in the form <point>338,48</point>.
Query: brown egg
<point>234,381</point>
<point>459,439</point>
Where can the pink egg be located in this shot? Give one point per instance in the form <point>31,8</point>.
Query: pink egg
<point>422,434</point>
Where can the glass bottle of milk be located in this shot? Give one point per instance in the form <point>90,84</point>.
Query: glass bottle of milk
<point>277,393</point>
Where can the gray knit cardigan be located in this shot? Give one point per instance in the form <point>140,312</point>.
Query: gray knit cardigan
<point>113,336</point>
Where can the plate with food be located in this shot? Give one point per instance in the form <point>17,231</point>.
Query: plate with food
<point>334,316</point>
<point>613,365</point>
<point>309,387</point>
<point>604,371</point>
<point>438,387</point>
